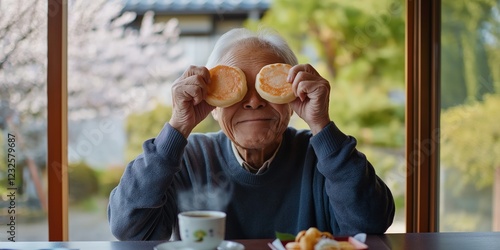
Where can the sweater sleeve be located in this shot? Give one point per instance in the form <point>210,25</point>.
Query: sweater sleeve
<point>359,200</point>
<point>142,206</point>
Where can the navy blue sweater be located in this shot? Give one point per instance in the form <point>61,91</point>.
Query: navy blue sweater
<point>320,181</point>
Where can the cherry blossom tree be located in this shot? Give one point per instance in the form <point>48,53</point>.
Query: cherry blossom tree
<point>111,65</point>
<point>116,65</point>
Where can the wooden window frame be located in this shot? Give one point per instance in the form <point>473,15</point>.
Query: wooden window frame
<point>423,20</point>
<point>57,99</point>
<point>422,116</point>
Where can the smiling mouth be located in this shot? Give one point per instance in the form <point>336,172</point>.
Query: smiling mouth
<point>255,120</point>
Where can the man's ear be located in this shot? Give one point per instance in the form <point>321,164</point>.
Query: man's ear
<point>215,114</point>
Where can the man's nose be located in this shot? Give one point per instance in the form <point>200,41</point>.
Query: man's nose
<point>253,100</point>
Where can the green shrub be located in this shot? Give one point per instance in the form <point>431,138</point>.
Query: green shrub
<point>83,182</point>
<point>109,179</point>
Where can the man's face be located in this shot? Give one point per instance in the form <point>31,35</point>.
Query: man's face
<point>253,123</point>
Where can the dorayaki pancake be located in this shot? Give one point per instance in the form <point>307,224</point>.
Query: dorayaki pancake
<point>228,86</point>
<point>271,83</point>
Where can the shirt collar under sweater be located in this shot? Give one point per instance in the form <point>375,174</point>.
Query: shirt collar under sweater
<point>250,168</point>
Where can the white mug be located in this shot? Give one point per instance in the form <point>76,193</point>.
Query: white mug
<point>202,230</point>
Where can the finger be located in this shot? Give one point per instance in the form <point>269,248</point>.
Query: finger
<point>197,70</point>
<point>303,88</point>
<point>196,90</point>
<point>303,76</point>
<point>311,89</point>
<point>300,68</point>
<point>190,89</point>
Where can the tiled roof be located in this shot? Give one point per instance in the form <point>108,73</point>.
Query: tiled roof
<point>196,6</point>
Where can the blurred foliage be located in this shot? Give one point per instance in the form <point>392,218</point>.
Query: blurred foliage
<point>359,48</point>
<point>355,42</point>
<point>470,85</point>
<point>464,207</point>
<point>470,140</point>
<point>469,55</point>
<point>368,114</point>
<point>109,179</point>
<point>142,126</point>
<point>391,167</point>
<point>463,222</point>
<point>146,125</point>
<point>83,182</point>
<point>88,205</point>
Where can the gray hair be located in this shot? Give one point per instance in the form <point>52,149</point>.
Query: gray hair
<point>263,36</point>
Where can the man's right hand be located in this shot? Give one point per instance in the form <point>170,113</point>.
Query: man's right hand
<point>188,97</point>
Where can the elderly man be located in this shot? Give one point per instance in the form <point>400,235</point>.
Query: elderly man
<point>276,178</point>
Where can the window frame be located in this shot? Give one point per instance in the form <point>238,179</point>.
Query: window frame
<point>57,134</point>
<point>423,20</point>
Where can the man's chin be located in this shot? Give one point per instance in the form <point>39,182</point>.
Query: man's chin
<point>254,142</point>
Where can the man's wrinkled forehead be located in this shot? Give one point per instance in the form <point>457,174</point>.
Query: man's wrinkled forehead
<point>250,51</point>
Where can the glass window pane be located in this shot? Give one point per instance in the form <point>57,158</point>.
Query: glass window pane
<point>470,97</point>
<point>359,48</point>
<point>121,66</point>
<point>23,120</point>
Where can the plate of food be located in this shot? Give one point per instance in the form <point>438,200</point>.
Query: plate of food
<point>314,239</point>
<point>179,245</point>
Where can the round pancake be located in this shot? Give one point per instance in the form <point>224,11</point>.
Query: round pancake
<point>228,85</point>
<point>271,83</point>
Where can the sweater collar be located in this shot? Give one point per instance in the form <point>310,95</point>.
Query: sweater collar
<point>250,168</point>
